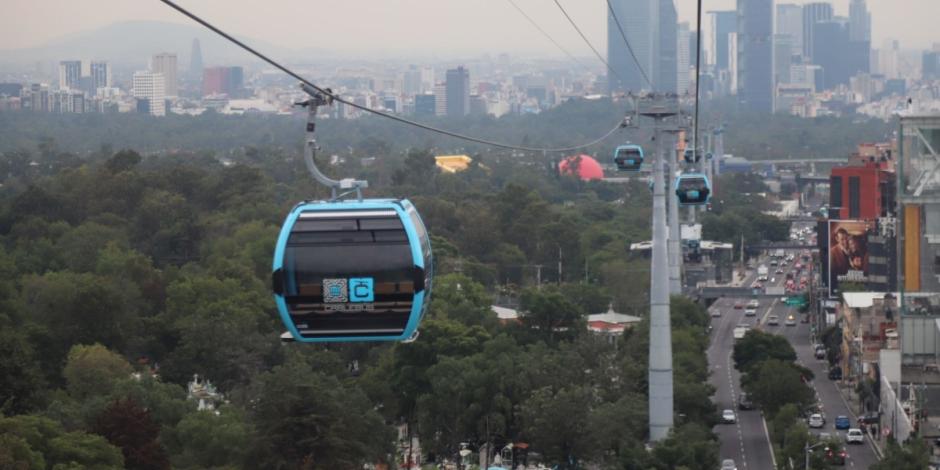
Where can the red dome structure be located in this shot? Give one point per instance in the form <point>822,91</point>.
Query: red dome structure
<point>587,167</point>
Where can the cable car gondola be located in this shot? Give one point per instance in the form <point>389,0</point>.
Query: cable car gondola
<point>691,156</point>
<point>628,157</point>
<point>352,271</point>
<point>693,189</point>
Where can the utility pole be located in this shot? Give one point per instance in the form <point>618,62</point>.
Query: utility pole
<point>660,354</point>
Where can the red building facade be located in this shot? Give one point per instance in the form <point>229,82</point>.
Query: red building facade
<point>863,192</point>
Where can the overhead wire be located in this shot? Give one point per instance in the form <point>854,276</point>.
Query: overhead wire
<point>586,41</point>
<point>629,47</point>
<point>335,97</point>
<point>544,33</point>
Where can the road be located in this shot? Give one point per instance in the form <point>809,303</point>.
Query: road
<point>859,456</point>
<point>745,441</point>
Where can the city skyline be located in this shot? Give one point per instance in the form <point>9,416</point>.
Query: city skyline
<point>443,37</point>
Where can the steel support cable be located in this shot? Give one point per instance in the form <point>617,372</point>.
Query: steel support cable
<point>539,28</point>
<point>335,97</point>
<point>629,47</point>
<point>576,28</point>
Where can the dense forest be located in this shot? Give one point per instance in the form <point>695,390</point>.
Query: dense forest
<point>747,135</point>
<point>126,274</point>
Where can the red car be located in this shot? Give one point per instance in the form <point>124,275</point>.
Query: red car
<point>738,305</point>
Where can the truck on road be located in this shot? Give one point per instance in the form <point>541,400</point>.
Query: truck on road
<point>762,273</point>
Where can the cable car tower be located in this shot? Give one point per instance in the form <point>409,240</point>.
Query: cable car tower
<point>661,109</point>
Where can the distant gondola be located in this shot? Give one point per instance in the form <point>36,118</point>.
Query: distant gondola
<point>352,271</point>
<point>691,156</point>
<point>693,189</point>
<point>628,157</point>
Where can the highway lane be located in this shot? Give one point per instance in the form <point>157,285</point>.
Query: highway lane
<point>745,441</point>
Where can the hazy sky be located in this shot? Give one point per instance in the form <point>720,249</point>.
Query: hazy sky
<point>442,27</point>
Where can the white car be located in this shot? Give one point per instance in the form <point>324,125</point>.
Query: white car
<point>728,417</point>
<point>716,313</point>
<point>855,436</point>
<point>816,421</point>
<point>773,320</point>
<point>728,464</point>
<point>790,321</point>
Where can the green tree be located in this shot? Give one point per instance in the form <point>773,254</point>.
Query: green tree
<point>23,384</point>
<point>338,429</point>
<point>692,446</point>
<point>758,346</point>
<point>93,370</point>
<point>38,442</point>
<point>79,308</point>
<point>774,383</point>
<point>556,423</point>
<point>210,440</point>
<point>914,454</point>
<point>460,298</point>
<point>550,315</point>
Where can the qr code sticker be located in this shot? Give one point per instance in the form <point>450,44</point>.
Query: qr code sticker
<point>334,290</point>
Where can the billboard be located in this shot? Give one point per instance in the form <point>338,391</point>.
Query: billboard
<point>848,253</point>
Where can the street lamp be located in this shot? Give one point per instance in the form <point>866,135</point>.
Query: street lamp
<point>807,448</point>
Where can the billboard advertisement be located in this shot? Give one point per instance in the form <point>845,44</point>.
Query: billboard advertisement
<point>848,253</point>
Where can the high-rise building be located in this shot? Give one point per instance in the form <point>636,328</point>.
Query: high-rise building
<point>683,58</point>
<point>425,105</point>
<point>812,14</point>
<point>458,92</point>
<point>665,74</point>
<point>859,37</point>
<point>651,28</point>
<point>440,99</point>
<point>859,21</point>
<point>930,65</point>
<point>149,89</point>
<point>788,28</point>
<point>100,74</point>
<point>723,24</point>
<point>789,21</point>
<point>784,48</point>
<point>639,20</point>
<point>70,72</point>
<point>755,54</point>
<point>411,81</point>
<point>222,80</point>
<point>195,61</point>
<point>830,43</point>
<point>889,57</point>
<point>427,79</point>
<point>165,63</point>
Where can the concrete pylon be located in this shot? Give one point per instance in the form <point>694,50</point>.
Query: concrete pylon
<point>660,353</point>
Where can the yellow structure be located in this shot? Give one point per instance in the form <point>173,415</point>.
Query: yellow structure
<point>453,163</point>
